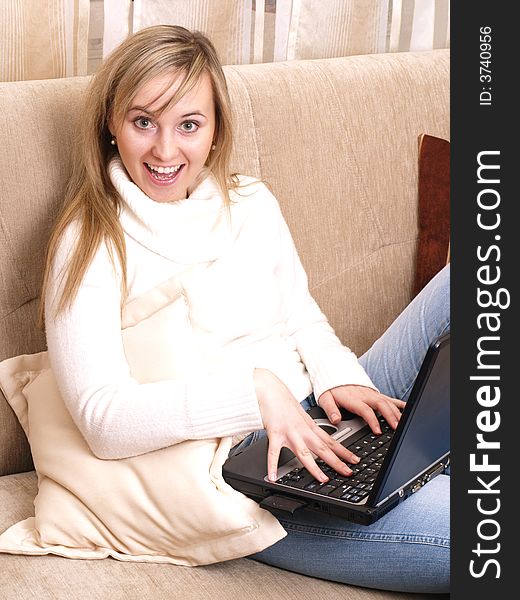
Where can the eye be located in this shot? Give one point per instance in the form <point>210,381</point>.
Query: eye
<point>189,126</point>
<point>143,123</point>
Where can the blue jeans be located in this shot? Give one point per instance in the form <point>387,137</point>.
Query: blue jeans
<point>408,549</point>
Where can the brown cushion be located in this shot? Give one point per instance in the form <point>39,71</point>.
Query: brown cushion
<point>434,208</point>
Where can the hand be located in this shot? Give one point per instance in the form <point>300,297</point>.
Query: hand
<point>362,401</point>
<point>289,426</point>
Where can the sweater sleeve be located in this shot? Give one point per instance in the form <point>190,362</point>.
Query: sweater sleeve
<point>328,362</point>
<point>118,416</point>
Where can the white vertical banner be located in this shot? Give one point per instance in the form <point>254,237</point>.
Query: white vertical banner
<point>381,44</point>
<point>395,25</point>
<point>282,26</point>
<point>117,27</point>
<point>423,25</point>
<point>258,45</point>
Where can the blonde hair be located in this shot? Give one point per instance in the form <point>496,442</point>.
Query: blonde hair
<point>91,199</point>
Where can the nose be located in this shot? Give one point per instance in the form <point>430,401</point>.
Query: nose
<point>165,147</point>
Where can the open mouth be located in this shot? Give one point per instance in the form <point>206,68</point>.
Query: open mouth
<point>164,174</point>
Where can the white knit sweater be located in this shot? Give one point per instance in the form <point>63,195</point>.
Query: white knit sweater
<point>247,307</point>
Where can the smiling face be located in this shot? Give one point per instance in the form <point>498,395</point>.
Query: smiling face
<point>164,152</point>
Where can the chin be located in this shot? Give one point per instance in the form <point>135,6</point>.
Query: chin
<point>163,195</point>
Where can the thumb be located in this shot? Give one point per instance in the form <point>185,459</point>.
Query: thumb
<point>327,402</point>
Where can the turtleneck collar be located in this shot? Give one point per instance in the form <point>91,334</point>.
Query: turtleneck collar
<point>189,231</point>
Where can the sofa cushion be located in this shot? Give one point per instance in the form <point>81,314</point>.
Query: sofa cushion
<point>171,505</point>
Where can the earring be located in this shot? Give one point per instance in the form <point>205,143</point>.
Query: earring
<point>113,141</point>
<point>213,147</point>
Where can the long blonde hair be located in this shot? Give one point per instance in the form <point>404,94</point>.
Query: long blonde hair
<point>91,199</point>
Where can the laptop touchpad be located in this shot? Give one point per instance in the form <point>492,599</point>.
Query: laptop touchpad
<point>328,428</point>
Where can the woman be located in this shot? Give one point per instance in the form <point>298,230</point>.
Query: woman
<point>151,198</point>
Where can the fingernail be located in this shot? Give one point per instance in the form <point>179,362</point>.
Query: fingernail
<point>271,477</point>
<point>355,459</point>
<point>323,478</point>
<point>347,471</point>
<point>334,416</point>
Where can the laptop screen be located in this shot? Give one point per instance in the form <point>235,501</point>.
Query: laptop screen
<point>424,434</point>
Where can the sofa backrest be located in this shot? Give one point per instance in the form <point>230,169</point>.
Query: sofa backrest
<point>335,139</point>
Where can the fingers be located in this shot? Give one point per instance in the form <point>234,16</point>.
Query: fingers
<point>322,450</point>
<point>301,451</point>
<point>363,401</point>
<point>305,456</point>
<point>328,404</point>
<point>313,442</point>
<point>367,413</point>
<point>334,454</point>
<point>273,454</point>
<point>390,408</point>
<point>308,461</point>
<point>337,448</point>
<point>307,440</point>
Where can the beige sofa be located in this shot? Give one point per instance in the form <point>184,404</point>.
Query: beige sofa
<point>336,140</point>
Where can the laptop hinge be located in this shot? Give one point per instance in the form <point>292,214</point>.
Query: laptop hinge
<point>282,505</point>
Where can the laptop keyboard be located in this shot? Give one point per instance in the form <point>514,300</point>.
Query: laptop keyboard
<point>371,449</point>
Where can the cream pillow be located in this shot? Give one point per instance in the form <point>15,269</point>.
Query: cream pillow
<point>171,505</point>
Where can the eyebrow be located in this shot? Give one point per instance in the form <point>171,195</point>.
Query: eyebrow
<point>148,112</point>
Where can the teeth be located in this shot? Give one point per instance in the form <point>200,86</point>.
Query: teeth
<point>166,170</point>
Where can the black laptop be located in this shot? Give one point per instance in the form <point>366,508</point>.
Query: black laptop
<point>394,464</point>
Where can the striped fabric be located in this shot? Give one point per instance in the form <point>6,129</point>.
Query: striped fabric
<point>316,29</point>
<point>418,25</point>
<point>226,22</point>
<point>43,39</point>
<point>254,31</point>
